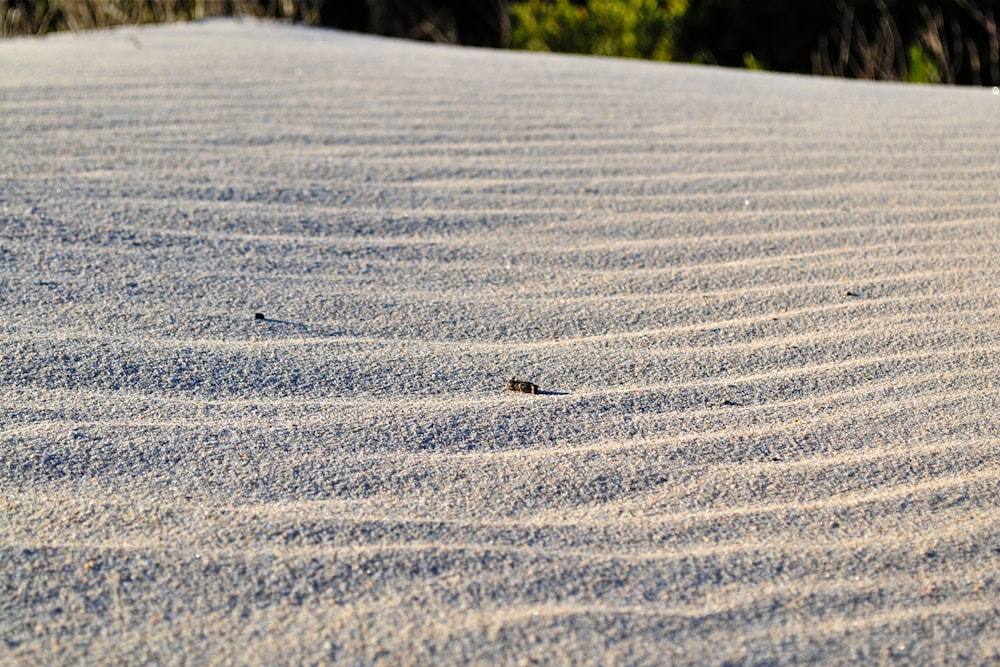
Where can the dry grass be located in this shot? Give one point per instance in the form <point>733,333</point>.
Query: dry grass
<point>38,17</point>
<point>941,49</point>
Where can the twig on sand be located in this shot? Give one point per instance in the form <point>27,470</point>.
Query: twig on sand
<point>521,386</point>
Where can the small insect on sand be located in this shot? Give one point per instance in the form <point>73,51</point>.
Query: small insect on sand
<point>521,386</point>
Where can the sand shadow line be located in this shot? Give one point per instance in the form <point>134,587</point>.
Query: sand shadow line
<point>297,325</point>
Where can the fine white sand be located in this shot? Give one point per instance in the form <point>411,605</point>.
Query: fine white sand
<point>762,310</point>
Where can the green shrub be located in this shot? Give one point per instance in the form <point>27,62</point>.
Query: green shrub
<point>922,67</point>
<point>625,28</point>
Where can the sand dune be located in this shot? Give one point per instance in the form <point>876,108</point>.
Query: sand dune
<point>761,310</point>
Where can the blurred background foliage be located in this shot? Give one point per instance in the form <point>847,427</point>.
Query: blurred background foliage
<point>932,41</point>
<point>624,28</point>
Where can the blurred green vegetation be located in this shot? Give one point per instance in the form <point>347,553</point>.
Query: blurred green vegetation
<point>921,66</point>
<point>624,28</point>
<point>927,41</point>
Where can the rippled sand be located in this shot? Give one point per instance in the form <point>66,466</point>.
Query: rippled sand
<point>762,312</point>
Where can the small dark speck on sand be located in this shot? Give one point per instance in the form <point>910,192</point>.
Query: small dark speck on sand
<point>258,316</point>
